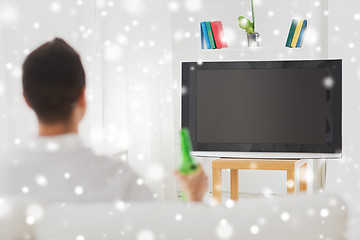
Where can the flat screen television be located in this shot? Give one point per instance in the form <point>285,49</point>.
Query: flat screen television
<point>264,109</point>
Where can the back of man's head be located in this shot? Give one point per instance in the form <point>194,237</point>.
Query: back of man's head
<point>53,81</point>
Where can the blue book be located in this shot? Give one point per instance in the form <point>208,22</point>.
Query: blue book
<point>204,35</point>
<point>303,29</point>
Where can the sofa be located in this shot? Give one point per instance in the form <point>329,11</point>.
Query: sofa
<point>282,218</point>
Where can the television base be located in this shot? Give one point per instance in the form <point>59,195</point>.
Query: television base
<point>296,173</point>
<point>266,155</point>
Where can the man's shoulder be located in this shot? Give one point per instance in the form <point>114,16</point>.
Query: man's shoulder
<point>81,156</point>
<point>113,166</point>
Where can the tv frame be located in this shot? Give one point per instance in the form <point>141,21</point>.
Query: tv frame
<point>333,69</point>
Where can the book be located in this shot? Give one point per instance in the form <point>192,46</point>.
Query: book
<point>202,38</point>
<point>302,33</point>
<point>297,33</point>
<point>291,32</point>
<point>218,33</point>
<point>205,36</point>
<point>211,38</point>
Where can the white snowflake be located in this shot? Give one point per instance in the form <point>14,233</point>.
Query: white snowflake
<point>25,189</point>
<point>100,3</point>
<point>262,221</point>
<point>145,235</point>
<point>52,146</point>
<point>312,36</point>
<point>230,35</point>
<point>34,212</point>
<point>79,190</point>
<point>17,141</point>
<point>2,88</point>
<point>113,53</point>
<point>140,156</point>
<point>139,181</point>
<point>111,3</point>
<point>254,229</point>
<point>80,237</point>
<point>122,39</point>
<point>8,65</point>
<point>120,205</point>
<point>155,172</point>
<point>285,216</point>
<point>178,35</point>
<point>290,183</point>
<point>103,13</point>
<point>5,208</point>
<point>8,13</point>
<point>178,217</point>
<point>16,72</point>
<point>357,16</point>
<point>324,212</point>
<point>135,23</point>
<point>41,180</point>
<point>55,7</point>
<point>267,191</point>
<point>258,3</point>
<point>127,28</point>
<point>135,7</point>
<point>67,175</point>
<point>229,203</point>
<point>328,82</point>
<point>224,230</point>
<point>193,5</point>
<point>30,220</point>
<point>36,25</point>
<point>310,212</point>
<point>184,90</point>
<point>173,6</point>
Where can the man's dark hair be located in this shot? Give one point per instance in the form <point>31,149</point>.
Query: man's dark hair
<point>53,79</point>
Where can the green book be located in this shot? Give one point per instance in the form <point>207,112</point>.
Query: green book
<point>211,37</point>
<point>291,33</point>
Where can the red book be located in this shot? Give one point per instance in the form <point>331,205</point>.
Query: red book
<point>219,35</point>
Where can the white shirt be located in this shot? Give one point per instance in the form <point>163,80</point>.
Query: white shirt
<point>61,169</point>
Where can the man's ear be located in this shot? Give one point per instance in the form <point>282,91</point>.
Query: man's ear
<point>82,98</point>
<point>27,102</point>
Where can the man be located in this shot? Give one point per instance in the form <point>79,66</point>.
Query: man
<point>56,166</point>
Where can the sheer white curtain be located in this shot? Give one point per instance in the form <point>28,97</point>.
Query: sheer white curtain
<point>125,48</point>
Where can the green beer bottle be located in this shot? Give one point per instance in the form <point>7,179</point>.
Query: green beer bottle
<point>188,164</point>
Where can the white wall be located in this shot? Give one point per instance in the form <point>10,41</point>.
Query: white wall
<point>343,176</point>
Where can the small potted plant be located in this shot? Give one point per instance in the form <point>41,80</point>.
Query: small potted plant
<point>244,23</point>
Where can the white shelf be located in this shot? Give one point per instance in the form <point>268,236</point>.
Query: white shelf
<point>256,49</point>
<point>258,53</point>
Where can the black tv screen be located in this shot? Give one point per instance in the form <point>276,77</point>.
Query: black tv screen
<point>268,106</point>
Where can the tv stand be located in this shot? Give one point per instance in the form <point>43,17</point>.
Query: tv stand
<point>295,168</point>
